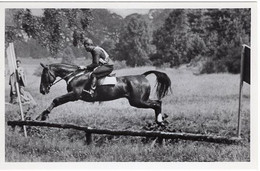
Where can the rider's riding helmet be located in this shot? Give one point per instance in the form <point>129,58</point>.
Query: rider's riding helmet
<point>88,42</point>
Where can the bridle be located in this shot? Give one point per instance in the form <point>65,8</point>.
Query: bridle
<point>55,82</point>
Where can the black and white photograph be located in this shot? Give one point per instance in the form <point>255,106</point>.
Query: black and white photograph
<point>166,83</point>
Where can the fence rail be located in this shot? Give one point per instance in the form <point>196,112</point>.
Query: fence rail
<point>160,135</point>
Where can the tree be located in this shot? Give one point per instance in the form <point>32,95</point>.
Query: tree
<point>54,30</point>
<point>227,30</point>
<point>196,20</point>
<point>158,17</point>
<point>13,31</point>
<point>134,41</point>
<point>171,40</point>
<point>212,35</point>
<point>109,45</point>
<point>68,55</point>
<point>104,26</point>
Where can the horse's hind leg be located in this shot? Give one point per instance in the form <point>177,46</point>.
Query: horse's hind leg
<point>153,104</point>
<point>71,96</point>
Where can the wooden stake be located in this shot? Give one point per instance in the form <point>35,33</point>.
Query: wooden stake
<point>160,141</point>
<point>240,93</point>
<point>88,138</point>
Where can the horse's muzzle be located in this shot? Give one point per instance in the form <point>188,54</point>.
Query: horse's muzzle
<point>44,90</point>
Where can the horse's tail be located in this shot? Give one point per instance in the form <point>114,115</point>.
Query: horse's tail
<point>163,85</point>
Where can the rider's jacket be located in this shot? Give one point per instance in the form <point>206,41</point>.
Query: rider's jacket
<point>99,57</point>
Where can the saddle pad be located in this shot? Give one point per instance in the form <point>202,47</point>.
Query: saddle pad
<point>107,81</point>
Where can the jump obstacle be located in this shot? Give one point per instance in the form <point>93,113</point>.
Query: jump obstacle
<point>160,135</point>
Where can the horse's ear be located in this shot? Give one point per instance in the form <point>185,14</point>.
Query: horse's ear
<point>44,66</point>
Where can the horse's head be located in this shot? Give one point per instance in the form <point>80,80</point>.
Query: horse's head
<point>47,79</point>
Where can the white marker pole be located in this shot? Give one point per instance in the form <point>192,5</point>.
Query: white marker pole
<point>240,93</point>
<point>14,66</point>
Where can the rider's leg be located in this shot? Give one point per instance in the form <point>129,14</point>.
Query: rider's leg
<point>93,80</point>
<point>99,72</point>
<point>103,71</point>
<point>93,85</point>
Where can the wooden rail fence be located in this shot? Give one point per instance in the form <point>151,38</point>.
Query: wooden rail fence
<point>160,135</point>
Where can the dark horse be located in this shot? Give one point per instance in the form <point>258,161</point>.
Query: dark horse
<point>135,88</point>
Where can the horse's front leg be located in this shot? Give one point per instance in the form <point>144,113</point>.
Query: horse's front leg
<point>71,96</point>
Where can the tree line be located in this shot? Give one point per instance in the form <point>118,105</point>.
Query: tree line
<point>163,37</point>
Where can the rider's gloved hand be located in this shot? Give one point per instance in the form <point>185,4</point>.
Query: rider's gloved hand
<point>82,67</point>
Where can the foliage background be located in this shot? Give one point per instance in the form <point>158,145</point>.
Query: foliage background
<point>209,39</point>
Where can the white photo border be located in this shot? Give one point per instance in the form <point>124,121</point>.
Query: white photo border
<point>253,164</point>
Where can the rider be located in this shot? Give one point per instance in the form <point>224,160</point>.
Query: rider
<point>101,65</point>
<point>21,82</point>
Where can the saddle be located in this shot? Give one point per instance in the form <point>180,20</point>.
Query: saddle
<point>108,80</point>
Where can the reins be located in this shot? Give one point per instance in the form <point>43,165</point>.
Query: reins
<point>55,82</point>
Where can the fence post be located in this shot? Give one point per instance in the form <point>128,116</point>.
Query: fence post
<point>160,141</point>
<point>88,138</point>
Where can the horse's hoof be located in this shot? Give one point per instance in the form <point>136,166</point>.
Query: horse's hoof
<point>43,116</point>
<point>28,118</point>
<point>165,116</point>
<point>38,118</point>
<point>161,124</point>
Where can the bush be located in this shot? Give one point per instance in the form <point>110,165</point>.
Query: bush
<point>120,65</point>
<point>36,50</point>
<point>233,66</point>
<point>156,59</point>
<point>30,49</point>
<point>38,71</point>
<point>214,67</point>
<point>233,61</point>
<point>109,46</point>
<point>219,66</point>
<point>68,56</point>
<point>207,68</point>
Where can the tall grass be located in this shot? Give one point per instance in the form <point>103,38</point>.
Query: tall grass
<point>205,104</point>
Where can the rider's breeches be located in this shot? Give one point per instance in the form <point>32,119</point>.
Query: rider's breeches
<point>100,72</point>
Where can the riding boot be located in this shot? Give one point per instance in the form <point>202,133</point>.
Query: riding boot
<point>93,86</point>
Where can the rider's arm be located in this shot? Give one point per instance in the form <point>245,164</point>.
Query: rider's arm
<point>102,61</point>
<point>95,62</point>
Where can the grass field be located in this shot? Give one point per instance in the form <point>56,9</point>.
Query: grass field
<point>205,104</point>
